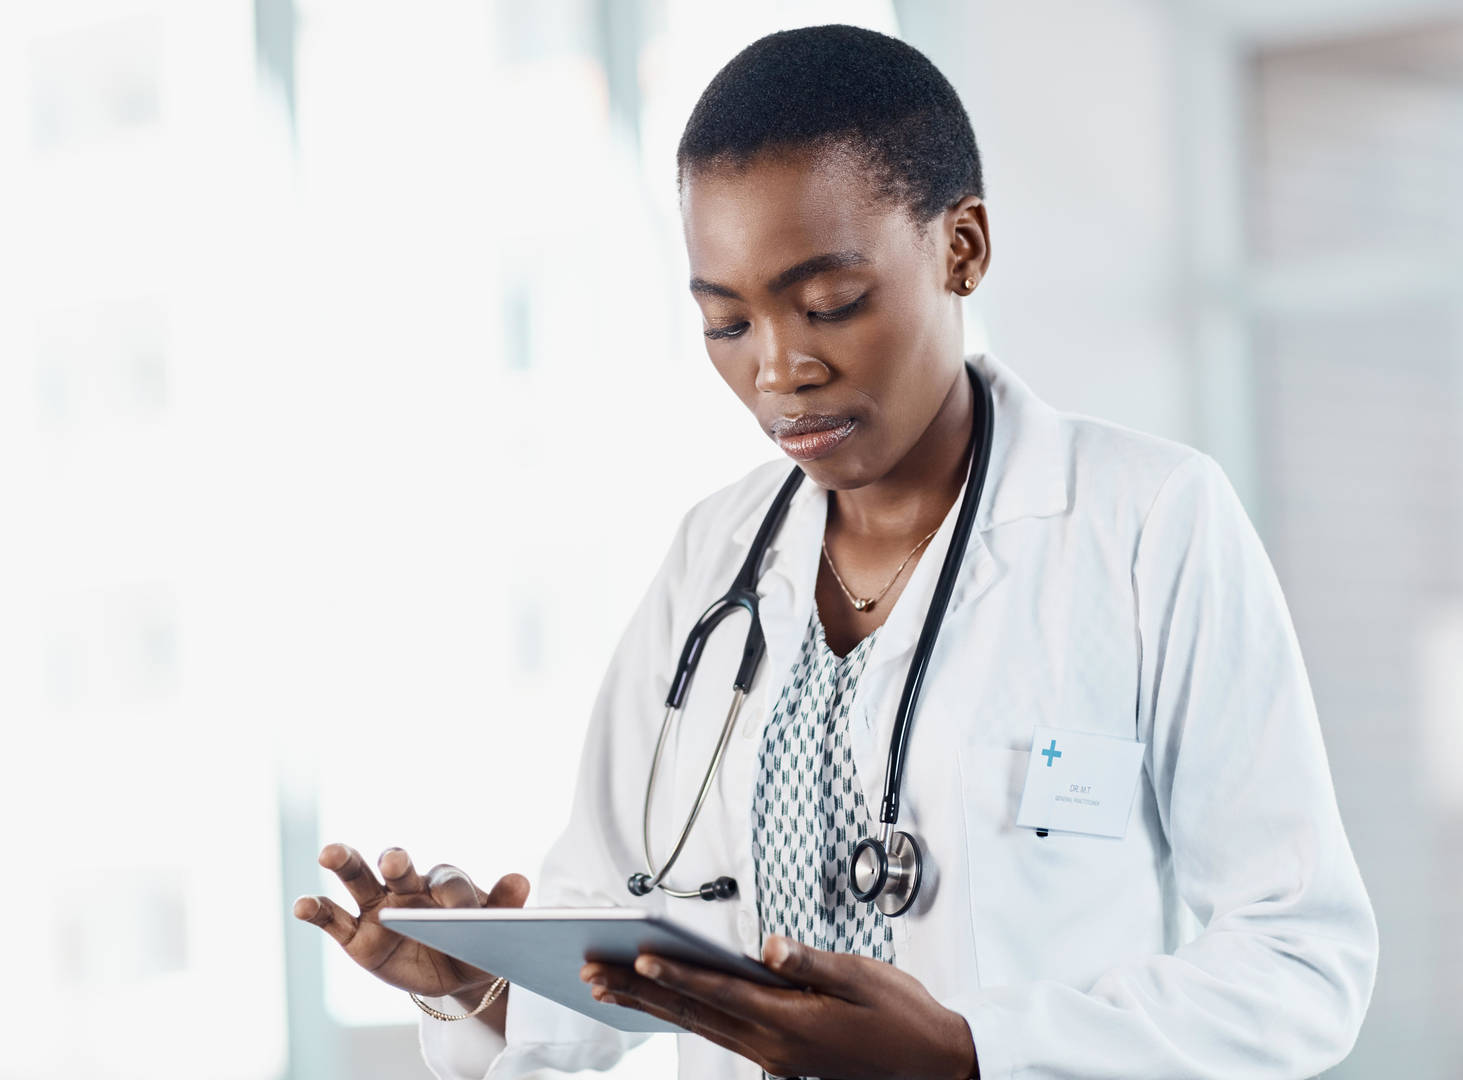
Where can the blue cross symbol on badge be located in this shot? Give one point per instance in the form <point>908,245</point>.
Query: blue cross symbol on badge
<point>1051,752</point>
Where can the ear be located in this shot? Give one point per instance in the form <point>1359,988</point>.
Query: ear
<point>968,235</point>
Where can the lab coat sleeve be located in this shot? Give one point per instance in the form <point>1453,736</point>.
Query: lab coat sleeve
<point>1278,981</point>
<point>588,864</point>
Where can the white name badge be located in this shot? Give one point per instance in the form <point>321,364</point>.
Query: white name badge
<point>1078,782</point>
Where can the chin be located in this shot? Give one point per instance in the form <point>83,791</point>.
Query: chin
<point>837,475</point>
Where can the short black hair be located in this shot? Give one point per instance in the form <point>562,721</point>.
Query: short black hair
<point>844,87</point>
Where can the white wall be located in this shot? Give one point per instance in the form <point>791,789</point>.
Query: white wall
<point>1073,105</point>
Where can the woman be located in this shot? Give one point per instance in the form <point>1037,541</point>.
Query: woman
<point>834,218</point>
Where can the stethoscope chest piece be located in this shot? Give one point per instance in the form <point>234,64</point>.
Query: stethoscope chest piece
<point>887,875</point>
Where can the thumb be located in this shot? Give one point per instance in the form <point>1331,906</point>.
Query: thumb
<point>833,973</point>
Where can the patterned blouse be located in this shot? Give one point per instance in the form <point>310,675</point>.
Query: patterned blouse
<point>807,813</point>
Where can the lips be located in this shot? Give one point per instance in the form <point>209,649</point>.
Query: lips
<point>807,423</point>
<point>811,435</point>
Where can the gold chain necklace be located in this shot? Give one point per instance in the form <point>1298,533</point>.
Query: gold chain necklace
<point>863,603</point>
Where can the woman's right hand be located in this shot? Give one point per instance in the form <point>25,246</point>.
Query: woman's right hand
<point>391,957</point>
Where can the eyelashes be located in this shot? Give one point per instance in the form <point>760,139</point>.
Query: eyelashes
<point>722,333</point>
<point>838,313</point>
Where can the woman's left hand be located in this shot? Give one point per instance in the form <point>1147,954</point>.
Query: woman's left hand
<point>859,1019</point>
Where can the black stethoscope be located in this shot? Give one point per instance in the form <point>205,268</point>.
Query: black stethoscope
<point>886,871</point>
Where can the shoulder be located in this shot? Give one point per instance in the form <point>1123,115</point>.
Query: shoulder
<point>1166,500</point>
<point>1127,466</point>
<point>1059,464</point>
<point>1154,491</point>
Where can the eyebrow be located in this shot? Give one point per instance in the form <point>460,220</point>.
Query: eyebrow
<point>818,264</point>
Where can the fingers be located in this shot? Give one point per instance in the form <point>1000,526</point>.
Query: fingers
<point>400,875</point>
<point>446,885</point>
<point>622,986</point>
<point>511,891</point>
<point>345,862</point>
<point>839,974</point>
<point>450,887</point>
<point>742,998</point>
<point>341,925</point>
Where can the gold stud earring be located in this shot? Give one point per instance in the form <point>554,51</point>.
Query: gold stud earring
<point>969,283</point>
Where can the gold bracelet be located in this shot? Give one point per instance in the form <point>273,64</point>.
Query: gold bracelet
<point>488,998</point>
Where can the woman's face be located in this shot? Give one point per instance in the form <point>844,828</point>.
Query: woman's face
<point>824,306</point>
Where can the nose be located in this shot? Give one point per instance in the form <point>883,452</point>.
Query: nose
<point>783,368</point>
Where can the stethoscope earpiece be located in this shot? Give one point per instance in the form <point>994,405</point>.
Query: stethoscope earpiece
<point>723,888</point>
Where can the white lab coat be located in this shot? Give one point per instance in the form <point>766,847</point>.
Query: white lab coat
<point>1113,584</point>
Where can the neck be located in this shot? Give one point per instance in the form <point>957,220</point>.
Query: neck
<point>916,495</point>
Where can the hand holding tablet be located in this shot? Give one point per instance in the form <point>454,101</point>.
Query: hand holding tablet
<point>805,1012</point>
<point>544,949</point>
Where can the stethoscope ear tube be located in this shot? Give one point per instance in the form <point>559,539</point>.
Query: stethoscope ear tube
<point>964,525</point>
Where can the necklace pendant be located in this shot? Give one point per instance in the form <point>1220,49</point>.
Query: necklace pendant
<point>859,605</point>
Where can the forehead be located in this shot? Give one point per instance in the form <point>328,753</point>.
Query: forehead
<point>750,223</point>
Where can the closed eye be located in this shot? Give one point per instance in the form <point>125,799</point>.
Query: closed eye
<point>839,313</point>
<point>717,333</point>
<point>722,333</point>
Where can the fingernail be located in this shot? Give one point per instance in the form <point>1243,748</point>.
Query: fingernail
<point>779,951</point>
<point>597,991</point>
<point>649,968</point>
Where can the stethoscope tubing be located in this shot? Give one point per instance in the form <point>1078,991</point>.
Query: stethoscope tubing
<point>743,596</point>
<point>738,696</point>
<point>944,587</point>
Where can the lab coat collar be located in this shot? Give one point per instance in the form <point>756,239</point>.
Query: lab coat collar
<point>1028,474</point>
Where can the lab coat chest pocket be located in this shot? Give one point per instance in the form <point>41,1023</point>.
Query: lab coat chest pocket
<point>1041,907</point>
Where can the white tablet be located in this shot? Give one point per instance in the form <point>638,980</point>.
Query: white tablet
<point>542,950</point>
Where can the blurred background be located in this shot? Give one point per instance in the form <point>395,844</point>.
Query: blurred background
<point>328,333</point>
